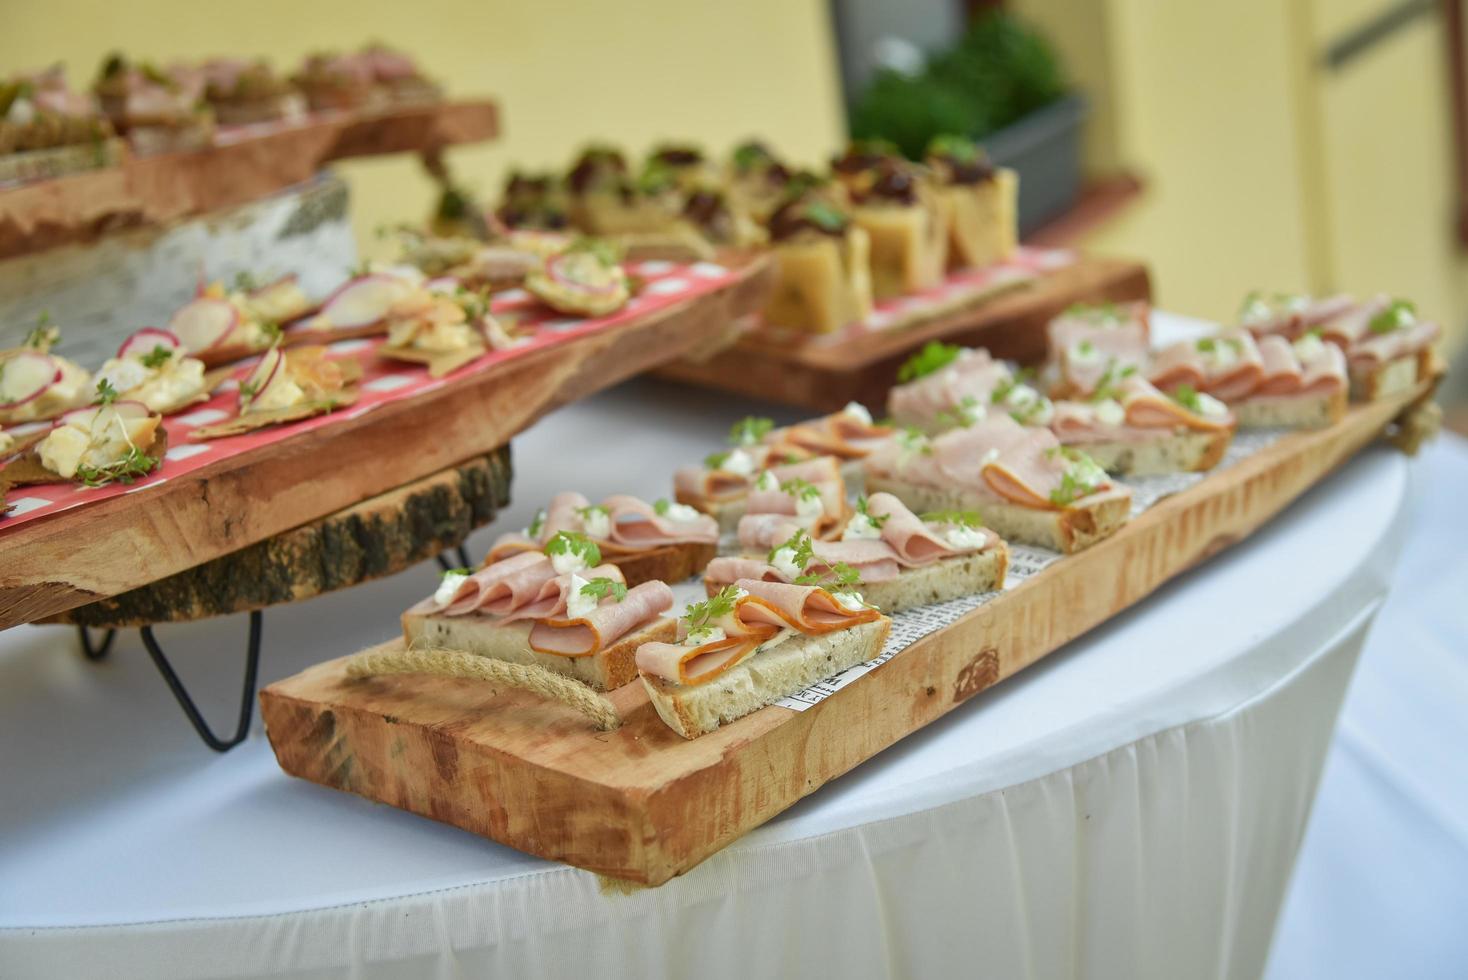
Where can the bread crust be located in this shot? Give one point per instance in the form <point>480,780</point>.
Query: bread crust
<point>670,563</point>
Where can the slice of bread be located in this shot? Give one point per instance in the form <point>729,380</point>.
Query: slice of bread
<point>1067,530</point>
<point>763,678</point>
<point>670,563</point>
<point>1391,378</point>
<point>1167,452</point>
<point>487,636</point>
<point>1291,412</point>
<point>948,578</point>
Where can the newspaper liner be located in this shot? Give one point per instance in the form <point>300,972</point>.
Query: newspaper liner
<point>1024,562</point>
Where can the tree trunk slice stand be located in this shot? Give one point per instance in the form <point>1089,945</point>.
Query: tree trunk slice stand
<point>244,164</point>
<point>643,804</point>
<point>823,376</point>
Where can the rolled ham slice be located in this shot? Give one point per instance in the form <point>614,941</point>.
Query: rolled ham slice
<point>1354,323</point>
<point>842,435</point>
<point>1233,378</point>
<point>1178,364</point>
<point>1325,372</point>
<point>550,601</point>
<point>1290,320</point>
<point>914,541</point>
<point>606,624</point>
<point>768,608</point>
<point>512,543</point>
<point>517,576</point>
<point>637,526</point>
<point>561,514</point>
<point>1148,408</point>
<point>1283,372</point>
<point>1119,343</point>
<point>1020,464</point>
<point>975,374</point>
<point>758,532</point>
<point>1376,349</point>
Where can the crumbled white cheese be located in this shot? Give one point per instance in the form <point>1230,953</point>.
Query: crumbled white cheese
<point>447,586</point>
<point>861,528</point>
<point>783,562</point>
<point>859,412</point>
<point>704,634</point>
<point>1109,412</point>
<point>851,600</point>
<point>567,562</point>
<point>965,538</point>
<point>124,374</point>
<point>738,461</point>
<point>578,604</point>
<point>809,506</point>
<point>681,514</point>
<point>1211,407</point>
<point>597,523</point>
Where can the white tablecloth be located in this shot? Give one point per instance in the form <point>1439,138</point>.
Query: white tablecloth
<point>1131,806</point>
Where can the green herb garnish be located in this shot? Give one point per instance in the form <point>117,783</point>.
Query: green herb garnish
<point>537,524</point>
<point>106,394</point>
<point>600,588</point>
<point>245,282</point>
<point>799,544</point>
<point>934,356</point>
<point>589,510</point>
<point>1101,314</point>
<point>702,615</point>
<point>840,577</point>
<point>750,430</point>
<point>824,215</point>
<point>800,489</point>
<point>132,466</point>
<point>876,520</point>
<point>1109,386</point>
<point>1398,314</point>
<point>914,440</point>
<point>661,506</point>
<point>1083,476</point>
<point>1187,396</point>
<point>157,357</point>
<point>714,461</point>
<point>43,335</point>
<point>574,543</point>
<point>466,572</point>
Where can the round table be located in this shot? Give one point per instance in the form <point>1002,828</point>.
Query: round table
<point>1130,806</point>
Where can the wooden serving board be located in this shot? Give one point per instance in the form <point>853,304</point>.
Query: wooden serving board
<point>245,164</point>
<point>824,376</point>
<point>113,545</point>
<point>641,803</point>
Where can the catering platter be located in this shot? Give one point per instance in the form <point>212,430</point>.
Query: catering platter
<point>63,546</point>
<point>244,164</point>
<point>1003,307</point>
<point>641,803</point>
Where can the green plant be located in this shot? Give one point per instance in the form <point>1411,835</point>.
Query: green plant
<point>999,72</point>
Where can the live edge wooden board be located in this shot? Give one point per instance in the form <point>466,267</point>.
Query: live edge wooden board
<point>643,804</point>
<point>53,564</point>
<point>245,165</point>
<point>824,376</point>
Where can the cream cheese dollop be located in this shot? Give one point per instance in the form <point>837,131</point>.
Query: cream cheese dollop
<point>1211,407</point>
<point>681,514</point>
<point>965,538</point>
<point>850,600</point>
<point>859,412</point>
<point>767,481</point>
<point>568,562</point>
<point>1109,412</point>
<point>1309,347</point>
<point>704,634</point>
<point>783,561</point>
<point>447,586</point>
<point>578,604</point>
<point>597,523</point>
<point>738,461</point>
<point>861,528</point>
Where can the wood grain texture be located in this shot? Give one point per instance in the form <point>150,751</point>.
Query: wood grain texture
<point>165,187</point>
<point>53,564</point>
<point>643,804</point>
<point>380,536</point>
<point>823,377</point>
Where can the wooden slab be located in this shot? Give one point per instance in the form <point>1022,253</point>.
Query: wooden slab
<point>245,164</point>
<point>823,377</point>
<point>643,804</point>
<point>380,536</point>
<point>53,564</point>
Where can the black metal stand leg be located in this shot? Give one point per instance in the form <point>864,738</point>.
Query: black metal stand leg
<point>461,554</point>
<point>98,651</point>
<point>247,698</point>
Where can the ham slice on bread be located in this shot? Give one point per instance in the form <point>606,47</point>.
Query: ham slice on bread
<point>521,610</point>
<point>1289,315</point>
<point>648,542</point>
<point>847,434</point>
<point>1086,342</point>
<point>969,381</point>
<point>1226,366</point>
<point>753,644</point>
<point>1304,385</point>
<point>1136,430</point>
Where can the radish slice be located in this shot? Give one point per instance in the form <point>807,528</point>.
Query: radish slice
<point>85,418</point>
<point>263,374</point>
<point>204,322</point>
<point>147,340</point>
<point>553,269</point>
<point>26,376</point>
<point>364,301</point>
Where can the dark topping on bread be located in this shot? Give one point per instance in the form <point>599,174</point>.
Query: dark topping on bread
<point>864,155</point>
<point>807,214</point>
<point>891,183</point>
<point>677,156</point>
<point>595,165</point>
<point>960,160</point>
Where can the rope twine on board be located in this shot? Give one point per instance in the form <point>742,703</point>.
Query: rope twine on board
<point>526,677</point>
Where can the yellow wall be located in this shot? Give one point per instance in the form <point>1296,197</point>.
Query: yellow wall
<point>563,72</point>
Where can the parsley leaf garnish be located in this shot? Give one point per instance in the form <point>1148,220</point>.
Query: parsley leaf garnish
<point>456,571</point>
<point>601,587</point>
<point>840,577</point>
<point>800,546</point>
<point>750,430</point>
<point>106,394</point>
<point>573,543</point>
<point>1083,476</point>
<point>914,440</point>
<point>800,489</point>
<point>934,356</point>
<point>661,506</point>
<point>1187,396</point>
<point>588,511</point>
<point>702,615</point>
<point>157,357</point>
<point>876,520</point>
<point>536,524</point>
<point>132,466</point>
<point>1400,313</point>
<point>714,461</point>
